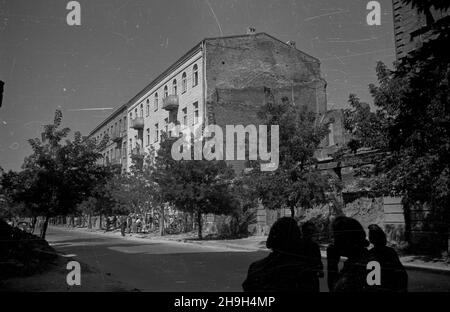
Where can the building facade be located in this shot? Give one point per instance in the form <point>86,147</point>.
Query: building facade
<point>223,81</point>
<point>412,28</point>
<point>115,128</point>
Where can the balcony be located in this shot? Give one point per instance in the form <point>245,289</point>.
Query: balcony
<point>117,136</point>
<point>170,102</point>
<point>137,123</point>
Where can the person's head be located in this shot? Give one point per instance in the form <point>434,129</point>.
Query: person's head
<point>349,236</point>
<point>377,236</point>
<point>284,236</point>
<point>308,229</point>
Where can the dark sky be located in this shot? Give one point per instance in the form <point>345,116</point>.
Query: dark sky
<point>123,44</point>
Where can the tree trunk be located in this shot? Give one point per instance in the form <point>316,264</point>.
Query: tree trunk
<point>199,224</point>
<point>186,225</point>
<point>89,221</point>
<point>33,224</point>
<point>44,227</point>
<point>161,221</point>
<point>292,212</point>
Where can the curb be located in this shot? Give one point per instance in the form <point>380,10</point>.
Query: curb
<point>231,246</point>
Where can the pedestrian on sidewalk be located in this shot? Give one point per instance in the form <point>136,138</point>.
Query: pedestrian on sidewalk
<point>129,223</point>
<point>123,226</point>
<point>108,224</point>
<point>395,277</point>
<point>286,268</point>
<point>312,251</point>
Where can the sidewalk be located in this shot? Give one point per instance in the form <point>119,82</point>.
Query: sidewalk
<point>258,243</point>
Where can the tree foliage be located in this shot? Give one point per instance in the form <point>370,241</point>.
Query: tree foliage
<point>58,175</point>
<point>295,183</point>
<point>195,186</point>
<point>414,122</point>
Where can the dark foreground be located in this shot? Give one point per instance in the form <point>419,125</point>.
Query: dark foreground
<point>170,266</point>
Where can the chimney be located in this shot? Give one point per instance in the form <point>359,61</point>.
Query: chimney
<point>251,30</point>
<point>291,43</point>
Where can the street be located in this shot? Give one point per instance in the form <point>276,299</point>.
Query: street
<point>172,266</point>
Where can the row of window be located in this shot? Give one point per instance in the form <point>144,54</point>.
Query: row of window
<point>157,131</point>
<point>156,102</point>
<point>117,129</point>
<point>115,153</point>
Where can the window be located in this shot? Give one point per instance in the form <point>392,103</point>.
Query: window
<point>156,133</point>
<point>174,87</point>
<point>131,144</point>
<point>142,110</point>
<point>156,101</point>
<point>148,137</point>
<point>147,108</point>
<point>166,92</point>
<point>195,121</point>
<point>124,123</point>
<point>183,83</point>
<point>185,116</point>
<point>166,125</point>
<point>120,125</point>
<point>195,75</point>
<point>136,113</point>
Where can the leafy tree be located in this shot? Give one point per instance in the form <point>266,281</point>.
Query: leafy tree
<point>194,186</point>
<point>295,183</point>
<point>413,112</point>
<point>365,127</point>
<point>58,176</point>
<point>139,192</point>
<point>104,198</point>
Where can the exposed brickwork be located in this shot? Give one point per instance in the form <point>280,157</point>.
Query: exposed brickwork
<point>258,61</point>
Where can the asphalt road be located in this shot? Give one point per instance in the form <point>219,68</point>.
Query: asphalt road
<point>171,266</point>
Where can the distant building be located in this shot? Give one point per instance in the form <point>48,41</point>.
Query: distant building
<point>411,28</point>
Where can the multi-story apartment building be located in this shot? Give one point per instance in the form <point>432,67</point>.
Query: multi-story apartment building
<point>412,28</point>
<point>115,128</point>
<point>223,81</point>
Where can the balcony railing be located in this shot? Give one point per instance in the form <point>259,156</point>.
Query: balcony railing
<point>170,102</point>
<point>137,123</point>
<point>117,136</point>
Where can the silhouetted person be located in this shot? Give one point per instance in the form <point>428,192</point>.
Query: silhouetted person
<point>393,275</point>
<point>349,241</point>
<point>312,251</point>
<point>285,268</point>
